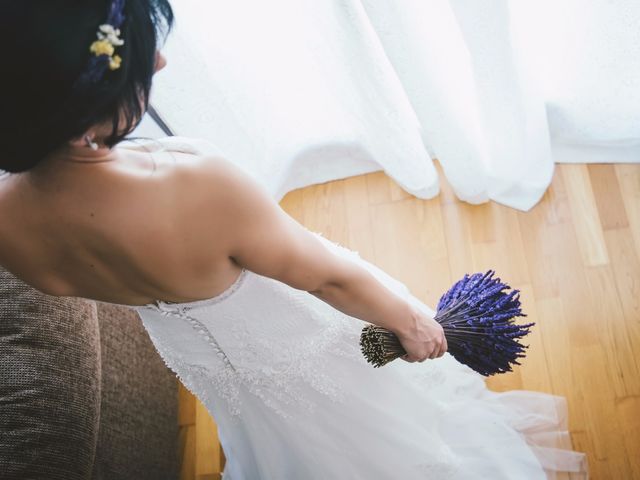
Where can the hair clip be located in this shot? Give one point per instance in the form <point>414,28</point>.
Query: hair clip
<point>108,40</point>
<point>103,49</point>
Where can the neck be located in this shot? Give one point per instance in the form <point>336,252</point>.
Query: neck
<point>82,154</point>
<point>66,161</point>
<point>74,155</point>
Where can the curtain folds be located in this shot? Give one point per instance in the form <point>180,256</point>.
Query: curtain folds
<point>303,92</point>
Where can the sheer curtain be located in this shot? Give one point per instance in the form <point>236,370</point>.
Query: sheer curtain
<point>305,91</point>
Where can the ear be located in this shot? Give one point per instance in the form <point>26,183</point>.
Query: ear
<point>161,61</point>
<point>81,140</point>
<point>84,139</point>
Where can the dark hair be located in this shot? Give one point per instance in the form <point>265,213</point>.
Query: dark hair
<point>45,48</point>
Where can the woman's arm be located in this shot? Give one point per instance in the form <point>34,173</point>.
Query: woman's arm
<point>263,238</point>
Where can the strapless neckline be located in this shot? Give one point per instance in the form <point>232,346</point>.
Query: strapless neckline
<point>230,290</point>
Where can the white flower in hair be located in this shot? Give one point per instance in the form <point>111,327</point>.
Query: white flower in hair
<point>112,35</point>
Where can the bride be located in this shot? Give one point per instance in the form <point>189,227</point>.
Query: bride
<point>259,317</point>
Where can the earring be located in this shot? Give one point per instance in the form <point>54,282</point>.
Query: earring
<point>90,143</point>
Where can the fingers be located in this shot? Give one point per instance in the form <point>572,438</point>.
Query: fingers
<point>431,356</point>
<point>440,350</point>
<point>437,352</point>
<point>445,347</point>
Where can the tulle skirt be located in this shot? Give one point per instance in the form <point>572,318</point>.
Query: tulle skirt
<point>431,420</point>
<point>439,422</point>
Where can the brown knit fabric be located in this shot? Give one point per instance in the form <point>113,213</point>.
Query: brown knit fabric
<point>49,383</point>
<point>83,392</point>
<point>138,437</point>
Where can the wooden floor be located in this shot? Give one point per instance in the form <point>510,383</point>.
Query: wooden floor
<point>575,257</point>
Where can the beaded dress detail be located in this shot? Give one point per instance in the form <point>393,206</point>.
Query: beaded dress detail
<point>293,398</point>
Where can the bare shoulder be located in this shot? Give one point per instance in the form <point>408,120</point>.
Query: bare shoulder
<point>194,196</point>
<point>217,176</point>
<point>205,217</point>
<point>253,229</point>
<point>211,193</point>
<point>175,231</point>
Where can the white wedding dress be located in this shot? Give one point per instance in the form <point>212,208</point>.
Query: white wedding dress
<point>283,376</point>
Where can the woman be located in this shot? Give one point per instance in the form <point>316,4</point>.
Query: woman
<point>259,317</point>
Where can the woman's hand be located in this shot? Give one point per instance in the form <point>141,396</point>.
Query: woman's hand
<point>423,339</point>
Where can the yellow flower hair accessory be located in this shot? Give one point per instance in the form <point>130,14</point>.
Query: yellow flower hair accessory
<point>115,62</point>
<point>108,40</point>
<point>103,49</point>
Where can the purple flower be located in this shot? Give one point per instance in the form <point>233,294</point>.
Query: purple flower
<point>476,314</point>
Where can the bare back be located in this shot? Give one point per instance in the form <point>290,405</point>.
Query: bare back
<point>118,232</point>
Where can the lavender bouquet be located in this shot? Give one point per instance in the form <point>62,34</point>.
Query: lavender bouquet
<point>476,315</point>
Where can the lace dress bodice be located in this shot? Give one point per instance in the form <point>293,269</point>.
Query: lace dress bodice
<point>259,334</point>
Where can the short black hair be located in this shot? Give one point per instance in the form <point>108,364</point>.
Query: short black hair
<point>45,49</point>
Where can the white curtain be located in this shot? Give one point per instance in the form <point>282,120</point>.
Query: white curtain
<point>307,91</point>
